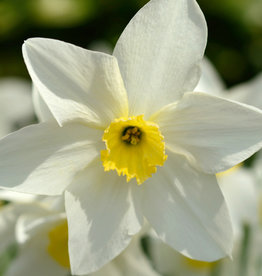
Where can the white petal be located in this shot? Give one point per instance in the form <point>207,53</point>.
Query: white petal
<point>187,210</point>
<point>76,84</point>
<point>41,109</point>
<point>101,218</point>
<point>249,92</point>
<point>159,52</point>
<point>44,158</point>
<point>210,82</point>
<point>213,133</point>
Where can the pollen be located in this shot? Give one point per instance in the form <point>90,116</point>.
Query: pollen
<point>58,244</point>
<point>134,148</point>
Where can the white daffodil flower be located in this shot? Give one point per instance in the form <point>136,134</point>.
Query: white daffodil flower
<point>130,141</point>
<point>42,235</point>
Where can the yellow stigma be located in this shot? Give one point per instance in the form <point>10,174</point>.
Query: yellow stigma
<point>58,244</point>
<point>134,147</point>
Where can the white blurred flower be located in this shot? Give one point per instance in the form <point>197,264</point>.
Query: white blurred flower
<point>16,111</point>
<point>42,234</point>
<point>240,191</point>
<point>210,81</point>
<point>132,110</point>
<point>8,216</point>
<point>10,213</point>
<point>15,104</point>
<point>6,195</point>
<point>26,224</point>
<point>248,92</point>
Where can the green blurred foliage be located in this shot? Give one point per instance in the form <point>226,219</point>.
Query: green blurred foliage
<point>235,37</point>
<point>234,44</point>
<point>7,257</point>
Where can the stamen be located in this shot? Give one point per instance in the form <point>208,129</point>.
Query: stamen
<point>131,135</point>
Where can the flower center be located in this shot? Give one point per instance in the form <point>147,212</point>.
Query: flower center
<point>134,147</point>
<point>58,244</point>
<point>131,135</point>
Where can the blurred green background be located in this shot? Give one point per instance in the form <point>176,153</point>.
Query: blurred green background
<point>234,44</point>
